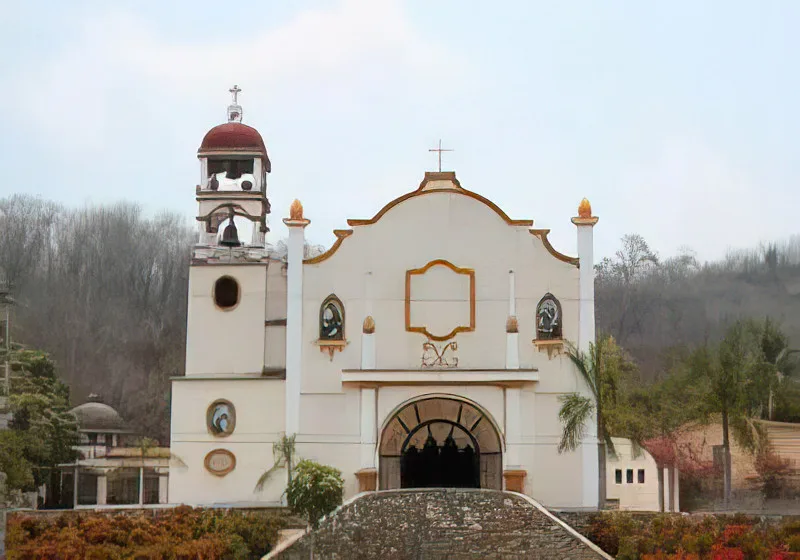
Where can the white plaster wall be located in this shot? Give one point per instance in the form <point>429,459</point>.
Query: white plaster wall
<point>259,405</point>
<point>275,335</point>
<point>439,225</point>
<point>225,342</point>
<point>464,231</point>
<point>636,497</point>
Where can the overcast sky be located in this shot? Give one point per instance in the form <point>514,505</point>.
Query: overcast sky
<point>678,120</point>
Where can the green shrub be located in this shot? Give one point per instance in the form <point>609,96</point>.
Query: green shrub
<point>315,490</point>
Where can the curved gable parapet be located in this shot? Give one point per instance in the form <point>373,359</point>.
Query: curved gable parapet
<point>341,235</point>
<point>542,235</point>
<point>434,182</point>
<point>427,187</point>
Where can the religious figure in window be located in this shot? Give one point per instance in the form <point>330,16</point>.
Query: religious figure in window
<point>548,318</point>
<point>221,418</point>
<point>331,319</point>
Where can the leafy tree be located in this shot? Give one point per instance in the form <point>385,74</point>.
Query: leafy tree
<point>602,369</point>
<point>42,431</point>
<point>779,364</point>
<point>724,374</point>
<point>315,491</point>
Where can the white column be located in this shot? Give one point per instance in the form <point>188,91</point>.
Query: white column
<point>75,489</point>
<point>585,224</point>
<point>512,343</point>
<point>203,172</point>
<point>102,490</point>
<point>512,294</point>
<point>258,171</point>
<point>294,315</point>
<point>512,326</point>
<point>163,486</point>
<point>513,427</point>
<point>589,465</point>
<point>367,350</point>
<point>677,492</point>
<point>141,486</point>
<point>369,427</point>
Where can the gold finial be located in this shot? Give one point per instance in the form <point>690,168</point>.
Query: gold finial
<point>296,210</point>
<point>585,209</point>
<point>512,326</point>
<point>369,325</point>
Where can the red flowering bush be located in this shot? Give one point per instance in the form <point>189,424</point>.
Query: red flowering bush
<point>631,536</point>
<point>182,533</point>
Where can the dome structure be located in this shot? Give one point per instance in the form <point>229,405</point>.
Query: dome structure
<point>234,137</point>
<point>98,417</point>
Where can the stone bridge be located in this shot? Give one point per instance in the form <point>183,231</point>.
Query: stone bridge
<point>439,524</point>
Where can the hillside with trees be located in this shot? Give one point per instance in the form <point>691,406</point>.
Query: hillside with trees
<point>102,290</point>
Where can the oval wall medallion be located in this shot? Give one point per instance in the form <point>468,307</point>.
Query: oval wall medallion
<point>220,462</point>
<point>221,418</point>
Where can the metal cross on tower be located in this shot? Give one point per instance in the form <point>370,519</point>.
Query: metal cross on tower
<point>235,92</point>
<point>440,150</point>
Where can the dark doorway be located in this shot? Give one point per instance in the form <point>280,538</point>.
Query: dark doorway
<point>440,462</point>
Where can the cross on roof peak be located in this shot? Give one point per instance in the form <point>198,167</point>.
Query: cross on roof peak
<point>439,151</point>
<point>235,92</point>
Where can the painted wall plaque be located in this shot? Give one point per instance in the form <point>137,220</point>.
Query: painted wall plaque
<point>221,418</point>
<point>220,462</point>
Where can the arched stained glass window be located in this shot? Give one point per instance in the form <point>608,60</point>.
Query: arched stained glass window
<point>548,318</point>
<point>331,319</point>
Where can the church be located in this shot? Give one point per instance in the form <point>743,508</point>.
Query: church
<point>427,347</point>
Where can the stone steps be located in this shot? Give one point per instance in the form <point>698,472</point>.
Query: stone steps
<point>440,523</point>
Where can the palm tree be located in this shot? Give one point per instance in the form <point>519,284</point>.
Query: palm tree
<point>284,453</point>
<point>601,369</point>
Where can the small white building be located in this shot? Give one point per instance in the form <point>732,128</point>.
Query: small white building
<point>632,480</point>
<point>426,347</point>
<point>112,468</point>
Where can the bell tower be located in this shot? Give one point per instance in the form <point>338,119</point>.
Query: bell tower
<point>232,194</point>
<point>230,261</point>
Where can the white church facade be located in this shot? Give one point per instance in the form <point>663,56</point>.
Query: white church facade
<point>426,347</point>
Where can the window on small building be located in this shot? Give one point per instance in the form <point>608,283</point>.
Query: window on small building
<point>629,476</point>
<point>641,476</point>
<point>92,439</point>
<point>618,476</point>
<point>226,293</point>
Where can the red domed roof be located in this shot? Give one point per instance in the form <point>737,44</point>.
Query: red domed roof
<point>235,137</point>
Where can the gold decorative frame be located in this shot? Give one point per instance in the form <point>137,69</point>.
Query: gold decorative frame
<point>210,455</point>
<point>424,330</point>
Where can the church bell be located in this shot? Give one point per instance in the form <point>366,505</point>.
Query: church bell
<point>230,236</point>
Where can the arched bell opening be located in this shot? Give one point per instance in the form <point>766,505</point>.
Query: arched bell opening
<point>236,231</point>
<point>440,442</point>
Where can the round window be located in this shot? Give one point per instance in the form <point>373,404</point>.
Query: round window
<point>226,293</point>
<point>221,418</point>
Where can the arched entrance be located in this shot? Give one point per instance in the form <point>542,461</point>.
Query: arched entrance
<point>440,442</point>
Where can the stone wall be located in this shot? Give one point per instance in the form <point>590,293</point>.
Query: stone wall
<point>439,524</point>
